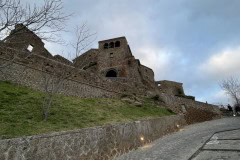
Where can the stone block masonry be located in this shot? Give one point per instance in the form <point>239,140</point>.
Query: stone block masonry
<point>180,105</point>
<point>98,143</point>
<point>31,77</point>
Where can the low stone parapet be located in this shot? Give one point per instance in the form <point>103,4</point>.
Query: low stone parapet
<point>102,142</point>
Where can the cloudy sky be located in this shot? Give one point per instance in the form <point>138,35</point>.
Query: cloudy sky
<point>196,42</point>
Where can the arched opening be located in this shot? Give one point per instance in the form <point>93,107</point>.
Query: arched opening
<point>111,45</point>
<point>105,46</point>
<point>117,44</point>
<point>111,73</point>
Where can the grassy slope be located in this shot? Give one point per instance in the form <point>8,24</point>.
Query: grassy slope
<point>21,114</point>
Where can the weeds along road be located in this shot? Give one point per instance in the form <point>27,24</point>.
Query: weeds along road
<point>218,139</point>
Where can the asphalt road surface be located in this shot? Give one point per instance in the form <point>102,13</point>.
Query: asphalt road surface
<point>211,140</point>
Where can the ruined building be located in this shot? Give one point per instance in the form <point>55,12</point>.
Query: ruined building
<point>111,70</point>
<point>112,60</point>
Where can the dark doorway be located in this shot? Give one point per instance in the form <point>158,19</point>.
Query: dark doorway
<point>111,73</point>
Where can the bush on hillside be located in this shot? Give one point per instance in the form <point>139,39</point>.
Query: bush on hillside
<point>196,115</point>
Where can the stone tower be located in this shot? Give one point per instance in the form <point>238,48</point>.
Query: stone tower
<point>113,56</point>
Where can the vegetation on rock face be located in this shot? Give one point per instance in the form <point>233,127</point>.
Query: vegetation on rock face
<point>21,112</point>
<point>197,115</point>
<point>185,96</point>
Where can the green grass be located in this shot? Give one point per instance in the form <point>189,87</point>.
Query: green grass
<point>21,112</point>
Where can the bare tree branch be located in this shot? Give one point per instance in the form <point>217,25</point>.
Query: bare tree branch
<point>232,87</point>
<point>45,21</point>
<point>55,77</point>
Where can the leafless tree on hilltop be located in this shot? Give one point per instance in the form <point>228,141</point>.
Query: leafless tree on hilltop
<point>232,87</point>
<point>55,77</point>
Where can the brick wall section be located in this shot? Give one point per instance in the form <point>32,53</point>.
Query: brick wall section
<point>103,142</point>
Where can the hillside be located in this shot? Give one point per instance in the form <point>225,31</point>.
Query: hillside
<point>21,114</point>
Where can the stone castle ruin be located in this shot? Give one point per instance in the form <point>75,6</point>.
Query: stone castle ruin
<point>108,71</point>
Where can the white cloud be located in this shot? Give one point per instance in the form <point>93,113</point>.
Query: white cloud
<point>157,59</point>
<point>223,64</point>
<point>216,97</point>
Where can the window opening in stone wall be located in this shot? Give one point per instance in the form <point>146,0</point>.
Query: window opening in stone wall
<point>111,55</point>
<point>111,45</point>
<point>129,62</point>
<point>105,46</point>
<point>179,91</point>
<point>117,44</point>
<point>30,48</point>
<point>111,73</point>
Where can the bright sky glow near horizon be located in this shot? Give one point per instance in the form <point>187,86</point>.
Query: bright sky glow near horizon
<point>196,42</point>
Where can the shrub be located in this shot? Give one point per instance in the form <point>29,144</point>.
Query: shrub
<point>196,115</point>
<point>156,97</point>
<point>187,97</point>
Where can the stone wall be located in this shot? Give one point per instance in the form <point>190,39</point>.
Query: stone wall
<point>103,142</point>
<point>21,38</point>
<point>170,87</point>
<point>34,64</point>
<point>147,73</point>
<point>33,78</point>
<point>83,84</point>
<point>178,104</point>
<point>87,61</point>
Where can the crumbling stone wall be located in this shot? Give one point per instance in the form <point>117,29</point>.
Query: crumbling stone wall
<point>62,60</point>
<point>147,73</point>
<point>82,84</point>
<point>33,78</point>
<point>177,104</point>
<point>87,61</point>
<point>170,87</point>
<point>25,38</point>
<point>99,143</point>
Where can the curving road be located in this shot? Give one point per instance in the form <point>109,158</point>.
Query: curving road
<point>218,140</point>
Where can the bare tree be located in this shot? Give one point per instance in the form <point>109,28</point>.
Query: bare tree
<point>55,76</point>
<point>232,87</point>
<point>45,21</point>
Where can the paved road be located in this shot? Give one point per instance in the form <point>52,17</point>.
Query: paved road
<point>212,140</point>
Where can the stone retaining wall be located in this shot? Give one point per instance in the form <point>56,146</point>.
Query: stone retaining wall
<point>103,142</point>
